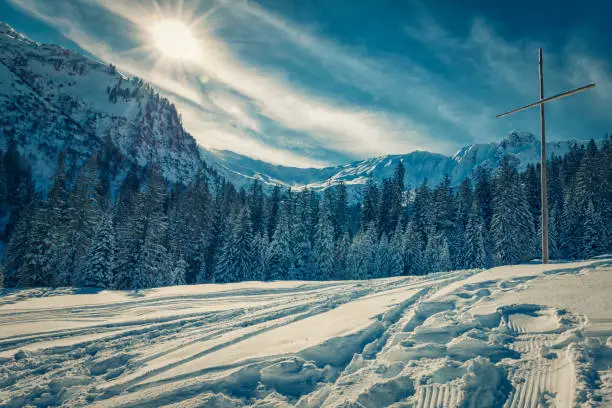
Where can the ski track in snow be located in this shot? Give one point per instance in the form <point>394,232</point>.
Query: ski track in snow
<point>466,338</point>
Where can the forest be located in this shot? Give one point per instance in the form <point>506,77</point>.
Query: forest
<point>86,231</point>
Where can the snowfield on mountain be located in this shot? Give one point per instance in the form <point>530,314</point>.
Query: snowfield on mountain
<point>513,336</point>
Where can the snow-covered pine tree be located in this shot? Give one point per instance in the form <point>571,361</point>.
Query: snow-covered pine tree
<point>237,259</point>
<point>474,252</point>
<point>322,259</point>
<point>362,254</point>
<point>571,224</point>
<point>340,257</point>
<point>35,269</point>
<point>553,234</point>
<point>412,251</point>
<point>18,245</point>
<point>511,225</point>
<point>272,208</point>
<point>97,269</point>
<point>483,194</point>
<point>593,236</point>
<point>179,271</point>
<point>437,253</point>
<point>256,207</point>
<point>84,212</point>
<point>340,213</point>
<point>188,223</point>
<point>369,204</point>
<point>382,260</point>
<point>397,195</point>
<point>300,236</point>
<point>464,201</point>
<point>384,221</point>
<point>389,260</point>
<point>260,246</point>
<point>279,256</point>
<point>422,211</point>
<point>59,217</point>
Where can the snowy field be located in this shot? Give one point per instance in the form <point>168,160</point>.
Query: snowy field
<point>516,336</point>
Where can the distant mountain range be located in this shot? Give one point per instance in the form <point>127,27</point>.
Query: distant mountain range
<point>53,99</point>
<point>521,148</point>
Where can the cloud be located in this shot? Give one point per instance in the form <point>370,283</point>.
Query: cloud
<point>269,88</point>
<point>506,72</point>
<point>351,129</point>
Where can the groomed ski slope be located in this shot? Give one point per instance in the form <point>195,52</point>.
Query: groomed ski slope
<point>515,336</point>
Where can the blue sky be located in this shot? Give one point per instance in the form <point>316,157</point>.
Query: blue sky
<point>318,82</point>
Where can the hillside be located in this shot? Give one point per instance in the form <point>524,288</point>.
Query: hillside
<point>55,100</point>
<point>513,336</point>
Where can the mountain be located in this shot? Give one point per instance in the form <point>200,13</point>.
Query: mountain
<point>53,99</point>
<point>520,147</point>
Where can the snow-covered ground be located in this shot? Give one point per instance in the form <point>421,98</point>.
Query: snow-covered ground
<point>516,336</point>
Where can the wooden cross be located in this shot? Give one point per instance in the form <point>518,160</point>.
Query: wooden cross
<point>543,178</point>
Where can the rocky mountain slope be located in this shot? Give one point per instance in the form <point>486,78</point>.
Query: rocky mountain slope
<point>53,99</point>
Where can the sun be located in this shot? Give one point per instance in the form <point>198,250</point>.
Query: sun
<point>175,40</point>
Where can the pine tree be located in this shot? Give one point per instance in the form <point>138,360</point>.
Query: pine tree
<point>397,195</point>
<point>412,251</point>
<point>143,254</point>
<point>340,257</point>
<point>483,195</point>
<point>279,257</point>
<point>370,204</point>
<point>272,210</point>
<point>388,259</point>
<point>593,238</point>
<point>322,262</point>
<point>384,215</point>
<point>84,212</point>
<point>18,246</point>
<point>382,260</point>
<point>422,214</point>
<point>511,225</point>
<point>474,254</point>
<point>99,264</point>
<point>340,211</point>
<point>35,269</point>
<point>260,246</point>
<point>256,207</point>
<point>362,254</point>
<point>179,271</point>
<point>237,260</point>
<point>301,237</point>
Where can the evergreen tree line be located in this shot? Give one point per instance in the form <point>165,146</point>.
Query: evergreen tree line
<point>148,233</point>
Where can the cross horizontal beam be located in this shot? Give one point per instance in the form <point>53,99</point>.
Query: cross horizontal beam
<point>550,98</point>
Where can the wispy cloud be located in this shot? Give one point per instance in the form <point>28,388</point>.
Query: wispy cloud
<point>282,92</point>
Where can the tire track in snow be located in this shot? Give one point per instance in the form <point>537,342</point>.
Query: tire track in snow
<point>438,396</point>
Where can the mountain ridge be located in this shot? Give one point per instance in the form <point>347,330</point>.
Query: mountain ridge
<point>522,148</point>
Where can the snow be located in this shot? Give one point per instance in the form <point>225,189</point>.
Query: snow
<point>512,336</point>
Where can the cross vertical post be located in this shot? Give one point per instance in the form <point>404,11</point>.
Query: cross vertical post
<point>543,178</point>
